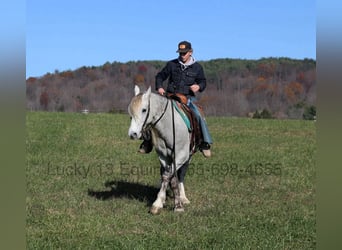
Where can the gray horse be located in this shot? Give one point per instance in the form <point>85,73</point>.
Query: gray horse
<point>154,112</point>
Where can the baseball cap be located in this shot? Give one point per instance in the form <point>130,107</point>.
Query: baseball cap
<point>184,47</point>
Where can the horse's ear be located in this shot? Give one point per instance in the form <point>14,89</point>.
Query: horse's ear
<point>136,90</point>
<point>148,92</point>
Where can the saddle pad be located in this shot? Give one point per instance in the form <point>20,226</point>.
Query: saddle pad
<point>183,115</point>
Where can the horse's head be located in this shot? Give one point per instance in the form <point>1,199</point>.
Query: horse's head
<point>138,110</point>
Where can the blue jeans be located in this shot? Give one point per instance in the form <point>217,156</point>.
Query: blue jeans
<point>201,120</point>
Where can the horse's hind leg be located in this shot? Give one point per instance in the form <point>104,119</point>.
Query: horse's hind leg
<point>178,202</point>
<point>159,202</point>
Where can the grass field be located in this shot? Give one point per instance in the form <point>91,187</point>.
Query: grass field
<point>87,188</point>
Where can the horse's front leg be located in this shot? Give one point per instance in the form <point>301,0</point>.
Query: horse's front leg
<point>182,195</point>
<point>178,202</point>
<point>181,175</point>
<point>159,202</point>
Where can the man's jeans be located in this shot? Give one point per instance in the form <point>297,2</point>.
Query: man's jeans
<point>201,120</point>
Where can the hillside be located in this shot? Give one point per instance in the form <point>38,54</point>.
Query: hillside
<point>282,87</point>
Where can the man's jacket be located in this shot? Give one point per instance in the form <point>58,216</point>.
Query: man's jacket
<point>181,77</point>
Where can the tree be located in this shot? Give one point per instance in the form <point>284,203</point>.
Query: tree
<point>44,100</point>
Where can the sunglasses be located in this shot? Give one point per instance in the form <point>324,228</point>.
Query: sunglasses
<point>182,53</point>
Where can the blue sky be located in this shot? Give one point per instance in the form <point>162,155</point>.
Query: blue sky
<point>65,35</point>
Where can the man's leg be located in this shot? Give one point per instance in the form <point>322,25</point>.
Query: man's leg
<point>205,146</point>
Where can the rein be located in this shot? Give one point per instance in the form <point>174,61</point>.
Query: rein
<point>174,145</point>
<point>149,126</point>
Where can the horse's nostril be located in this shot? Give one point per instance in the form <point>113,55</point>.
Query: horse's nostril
<point>133,136</point>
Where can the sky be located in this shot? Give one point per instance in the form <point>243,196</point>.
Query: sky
<point>66,35</point>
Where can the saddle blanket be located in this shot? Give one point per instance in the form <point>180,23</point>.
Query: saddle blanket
<point>183,115</point>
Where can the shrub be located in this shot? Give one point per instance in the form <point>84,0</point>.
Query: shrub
<point>309,113</point>
<point>264,114</point>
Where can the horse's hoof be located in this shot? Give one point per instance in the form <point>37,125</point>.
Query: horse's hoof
<point>179,209</point>
<point>185,201</point>
<point>155,210</point>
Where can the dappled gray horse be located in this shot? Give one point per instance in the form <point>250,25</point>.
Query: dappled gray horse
<point>154,112</point>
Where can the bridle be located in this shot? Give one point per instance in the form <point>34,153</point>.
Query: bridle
<point>152,125</point>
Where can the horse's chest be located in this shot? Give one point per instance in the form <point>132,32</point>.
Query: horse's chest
<point>158,142</point>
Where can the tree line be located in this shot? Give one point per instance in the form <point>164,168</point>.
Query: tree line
<point>282,87</point>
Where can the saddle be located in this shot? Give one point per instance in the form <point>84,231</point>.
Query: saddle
<point>195,130</point>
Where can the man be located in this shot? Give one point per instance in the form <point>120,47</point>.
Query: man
<point>185,76</point>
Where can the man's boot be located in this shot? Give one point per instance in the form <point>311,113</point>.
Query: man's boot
<point>205,149</point>
<point>146,147</point>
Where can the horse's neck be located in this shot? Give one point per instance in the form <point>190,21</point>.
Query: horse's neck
<point>157,104</point>
<point>167,117</point>
<point>158,114</point>
<point>161,107</point>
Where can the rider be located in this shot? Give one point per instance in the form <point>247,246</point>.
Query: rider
<point>185,76</point>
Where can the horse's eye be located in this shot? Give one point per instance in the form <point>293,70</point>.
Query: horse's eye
<point>143,110</point>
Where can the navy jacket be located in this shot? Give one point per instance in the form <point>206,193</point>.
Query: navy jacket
<point>180,79</point>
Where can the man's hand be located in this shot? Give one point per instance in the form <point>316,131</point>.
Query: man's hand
<point>194,88</point>
<point>161,91</point>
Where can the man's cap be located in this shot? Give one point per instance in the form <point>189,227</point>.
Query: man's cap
<point>184,47</point>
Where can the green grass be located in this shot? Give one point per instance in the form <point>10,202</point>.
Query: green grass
<point>87,188</point>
